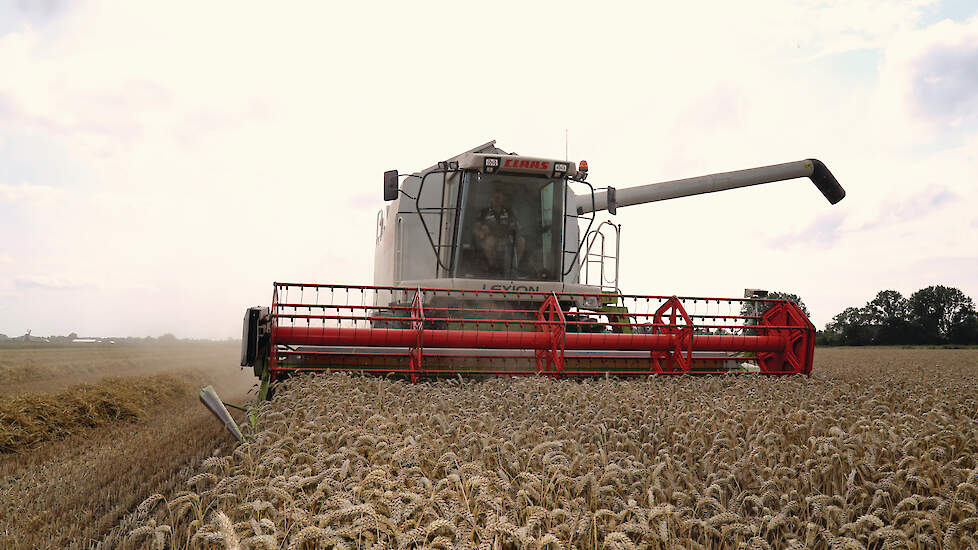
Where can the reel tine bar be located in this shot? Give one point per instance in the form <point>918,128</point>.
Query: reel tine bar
<point>423,332</point>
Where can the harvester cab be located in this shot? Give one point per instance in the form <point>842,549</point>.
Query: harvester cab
<point>492,263</point>
<point>484,219</point>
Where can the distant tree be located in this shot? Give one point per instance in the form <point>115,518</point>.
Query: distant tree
<point>964,327</point>
<point>73,336</point>
<point>889,314</point>
<point>933,315</point>
<point>851,327</point>
<point>828,338</point>
<point>886,306</point>
<point>936,310</point>
<point>3,337</point>
<point>168,338</point>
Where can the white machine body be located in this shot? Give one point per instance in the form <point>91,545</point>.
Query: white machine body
<point>491,220</point>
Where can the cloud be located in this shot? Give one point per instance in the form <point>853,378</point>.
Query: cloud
<point>914,207</point>
<point>47,283</point>
<point>933,73</point>
<point>945,85</point>
<point>44,8</point>
<point>957,271</point>
<point>823,232</point>
<point>26,192</point>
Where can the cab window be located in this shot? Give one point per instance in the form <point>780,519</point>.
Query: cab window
<point>510,227</point>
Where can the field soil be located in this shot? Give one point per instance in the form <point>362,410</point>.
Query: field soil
<point>92,430</point>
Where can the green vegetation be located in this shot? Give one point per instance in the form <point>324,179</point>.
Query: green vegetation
<point>933,316</point>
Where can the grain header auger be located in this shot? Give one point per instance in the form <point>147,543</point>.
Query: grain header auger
<point>482,268</point>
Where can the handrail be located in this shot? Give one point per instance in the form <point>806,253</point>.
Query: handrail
<point>594,234</point>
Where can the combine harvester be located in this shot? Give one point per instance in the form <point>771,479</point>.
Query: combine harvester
<point>481,268</point>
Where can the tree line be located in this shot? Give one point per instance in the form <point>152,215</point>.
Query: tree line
<point>935,315</point>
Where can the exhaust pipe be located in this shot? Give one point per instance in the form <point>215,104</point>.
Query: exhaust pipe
<point>210,400</point>
<point>813,169</point>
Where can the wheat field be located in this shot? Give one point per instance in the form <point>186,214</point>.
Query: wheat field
<point>878,450</point>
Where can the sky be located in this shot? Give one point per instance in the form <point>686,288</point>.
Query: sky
<point>161,164</point>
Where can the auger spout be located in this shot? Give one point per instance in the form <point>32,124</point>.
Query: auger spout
<point>653,192</point>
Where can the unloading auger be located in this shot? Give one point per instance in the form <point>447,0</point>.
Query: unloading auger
<point>491,263</point>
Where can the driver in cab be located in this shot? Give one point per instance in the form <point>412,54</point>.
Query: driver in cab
<point>496,227</point>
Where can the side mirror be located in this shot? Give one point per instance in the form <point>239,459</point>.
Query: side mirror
<point>612,201</point>
<point>390,185</point>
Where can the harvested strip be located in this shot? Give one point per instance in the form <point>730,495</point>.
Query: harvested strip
<point>27,420</point>
<point>82,486</point>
